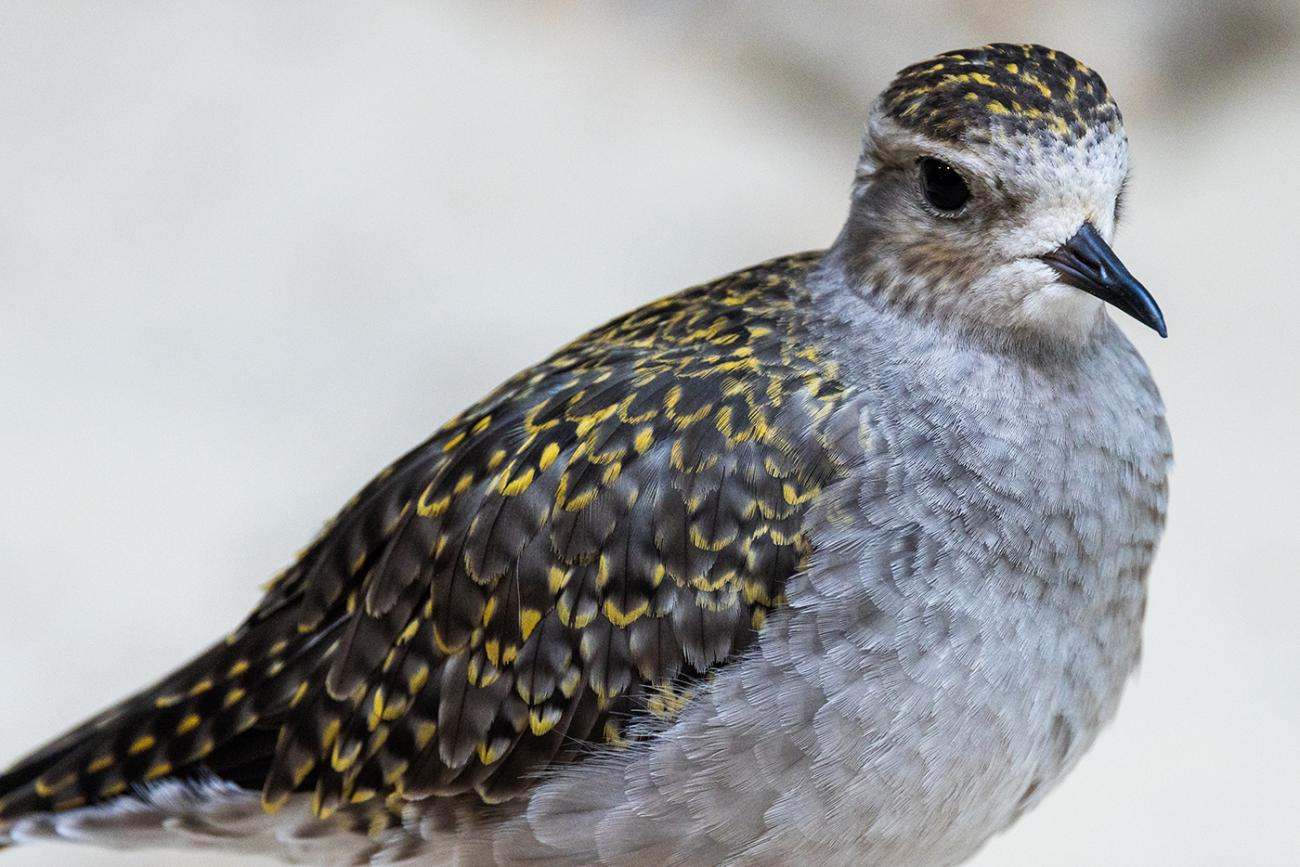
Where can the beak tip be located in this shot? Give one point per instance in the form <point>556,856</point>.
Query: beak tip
<point>1087,262</point>
<point>1157,322</point>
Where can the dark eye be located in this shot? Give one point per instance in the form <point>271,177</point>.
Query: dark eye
<point>943,187</point>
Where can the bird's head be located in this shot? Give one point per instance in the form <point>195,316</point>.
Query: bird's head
<point>987,194</point>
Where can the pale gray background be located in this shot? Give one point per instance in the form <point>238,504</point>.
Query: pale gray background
<point>249,252</point>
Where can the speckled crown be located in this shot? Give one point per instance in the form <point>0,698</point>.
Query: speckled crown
<point>1017,89</point>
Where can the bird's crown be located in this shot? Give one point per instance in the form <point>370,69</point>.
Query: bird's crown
<point>1025,90</point>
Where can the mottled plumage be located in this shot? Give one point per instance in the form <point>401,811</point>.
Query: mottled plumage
<point>839,559</point>
<point>1015,89</point>
<point>576,550</point>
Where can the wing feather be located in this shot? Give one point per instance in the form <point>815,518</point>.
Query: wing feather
<point>570,555</point>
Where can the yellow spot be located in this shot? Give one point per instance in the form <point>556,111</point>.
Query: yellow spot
<point>360,796</point>
<point>612,472</point>
<point>113,790</point>
<point>234,697</point>
<point>163,701</point>
<point>1013,68</point>
<point>45,789</point>
<point>427,509</point>
<point>189,724</point>
<point>717,582</point>
<point>1042,88</point>
<point>487,754</point>
<point>667,702</point>
<point>758,618</point>
<point>542,722</point>
<point>613,736</point>
<point>645,438</point>
<point>518,485</point>
<point>793,497</point>
<point>201,687</point>
<point>103,763</point>
<point>481,425</point>
<point>319,807</point>
<point>699,540</point>
<point>393,776</point>
<point>454,441</point>
<point>298,694</point>
<point>444,647</point>
<point>530,419</point>
<point>977,77</point>
<point>271,806</point>
<point>376,710</point>
<point>578,502</point>
<point>330,734</point>
<point>418,680</point>
<point>340,760</point>
<point>556,578</point>
<point>424,733</point>
<point>528,620</point>
<point>141,744</point>
<point>161,769</point>
<point>301,772</point>
<point>997,107</point>
<point>584,616</point>
<point>238,668</point>
<point>972,96</point>
<point>549,454</point>
<point>70,803</point>
<point>621,618</point>
<point>569,685</point>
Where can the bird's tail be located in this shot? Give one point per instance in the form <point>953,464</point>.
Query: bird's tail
<point>214,718</point>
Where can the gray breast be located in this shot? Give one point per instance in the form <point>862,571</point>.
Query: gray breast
<point>987,564</point>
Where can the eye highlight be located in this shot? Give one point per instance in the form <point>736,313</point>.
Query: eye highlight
<point>942,185</point>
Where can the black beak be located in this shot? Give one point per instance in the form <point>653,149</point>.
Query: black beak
<point>1086,262</point>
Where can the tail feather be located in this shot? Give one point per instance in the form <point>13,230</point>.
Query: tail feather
<point>215,717</point>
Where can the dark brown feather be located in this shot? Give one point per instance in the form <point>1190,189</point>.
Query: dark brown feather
<point>573,553</point>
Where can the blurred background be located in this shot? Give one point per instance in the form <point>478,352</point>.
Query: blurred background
<point>250,252</point>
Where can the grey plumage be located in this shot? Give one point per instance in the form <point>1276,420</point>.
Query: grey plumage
<point>837,560</point>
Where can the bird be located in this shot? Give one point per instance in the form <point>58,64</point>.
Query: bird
<point>839,559</point>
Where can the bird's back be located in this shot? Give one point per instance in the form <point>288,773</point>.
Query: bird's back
<point>567,558</point>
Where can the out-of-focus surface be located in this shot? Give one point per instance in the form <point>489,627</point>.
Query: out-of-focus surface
<point>251,252</point>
